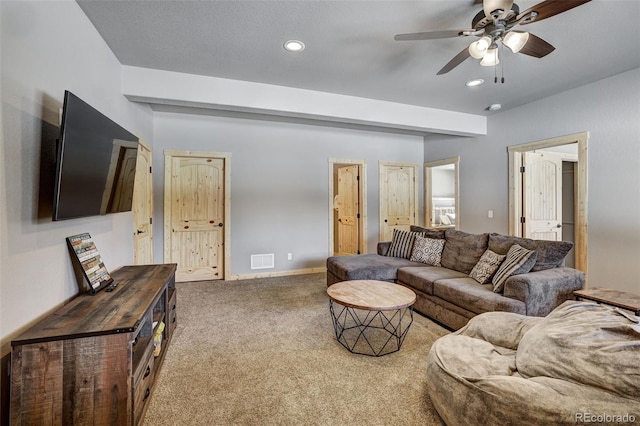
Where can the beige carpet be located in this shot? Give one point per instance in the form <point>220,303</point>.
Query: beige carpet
<point>260,352</point>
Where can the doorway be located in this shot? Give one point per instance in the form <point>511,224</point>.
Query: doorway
<point>518,198</point>
<point>441,193</point>
<point>348,207</point>
<point>197,213</point>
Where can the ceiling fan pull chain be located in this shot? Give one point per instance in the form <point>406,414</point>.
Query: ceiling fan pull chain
<point>502,63</point>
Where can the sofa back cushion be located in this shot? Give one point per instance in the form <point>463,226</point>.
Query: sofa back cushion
<point>463,250</point>
<point>436,234</point>
<point>550,254</point>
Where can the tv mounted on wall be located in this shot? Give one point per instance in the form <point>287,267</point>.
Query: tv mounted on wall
<point>95,163</point>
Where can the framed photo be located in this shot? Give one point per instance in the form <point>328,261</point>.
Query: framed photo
<point>90,262</point>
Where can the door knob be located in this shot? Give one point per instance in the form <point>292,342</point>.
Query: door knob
<point>558,226</point>
<point>220,224</point>
<point>139,232</point>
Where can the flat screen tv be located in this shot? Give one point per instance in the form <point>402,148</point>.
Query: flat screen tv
<point>95,163</point>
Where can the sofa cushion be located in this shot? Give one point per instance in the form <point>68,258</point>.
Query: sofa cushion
<point>475,297</point>
<point>437,234</point>
<point>427,250</point>
<point>487,266</point>
<point>463,250</point>
<point>367,267</point>
<point>422,278</point>
<point>402,243</point>
<point>583,342</point>
<point>551,254</point>
<point>513,264</point>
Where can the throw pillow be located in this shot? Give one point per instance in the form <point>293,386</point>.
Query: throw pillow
<point>516,257</point>
<point>427,250</point>
<point>402,243</point>
<point>486,266</point>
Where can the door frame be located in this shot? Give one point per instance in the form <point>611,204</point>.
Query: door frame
<point>381,185</point>
<point>224,156</point>
<point>428,202</point>
<point>580,194</point>
<point>362,223</point>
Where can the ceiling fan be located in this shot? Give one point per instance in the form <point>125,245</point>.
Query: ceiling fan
<point>494,25</point>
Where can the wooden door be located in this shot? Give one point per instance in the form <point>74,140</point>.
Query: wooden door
<point>398,195</point>
<point>194,216</point>
<point>347,207</point>
<point>143,209</point>
<point>542,196</point>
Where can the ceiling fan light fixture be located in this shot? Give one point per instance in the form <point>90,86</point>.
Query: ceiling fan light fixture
<point>491,58</point>
<point>478,48</point>
<point>515,40</point>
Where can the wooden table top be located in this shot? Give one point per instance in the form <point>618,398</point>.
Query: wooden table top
<point>371,295</point>
<point>609,296</point>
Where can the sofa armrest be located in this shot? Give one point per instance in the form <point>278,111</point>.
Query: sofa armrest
<point>543,291</point>
<point>383,247</point>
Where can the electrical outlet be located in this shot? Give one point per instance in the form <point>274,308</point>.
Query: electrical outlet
<point>289,256</point>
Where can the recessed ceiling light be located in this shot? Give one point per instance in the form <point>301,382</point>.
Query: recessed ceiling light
<point>494,107</point>
<point>294,46</point>
<point>476,82</point>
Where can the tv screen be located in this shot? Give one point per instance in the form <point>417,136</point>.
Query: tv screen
<point>95,163</point>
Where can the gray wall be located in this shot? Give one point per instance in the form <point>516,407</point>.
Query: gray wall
<point>48,47</point>
<point>609,110</point>
<point>279,181</point>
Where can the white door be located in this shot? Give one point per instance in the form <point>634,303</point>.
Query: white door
<point>542,196</point>
<point>398,195</point>
<point>143,209</point>
<point>194,215</point>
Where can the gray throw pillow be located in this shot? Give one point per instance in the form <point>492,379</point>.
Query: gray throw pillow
<point>427,250</point>
<point>402,243</point>
<point>487,266</point>
<point>517,256</point>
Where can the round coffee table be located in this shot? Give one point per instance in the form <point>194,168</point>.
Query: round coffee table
<point>371,317</point>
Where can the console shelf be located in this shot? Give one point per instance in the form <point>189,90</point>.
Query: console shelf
<point>92,361</point>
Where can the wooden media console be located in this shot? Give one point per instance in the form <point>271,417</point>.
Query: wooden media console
<point>94,360</point>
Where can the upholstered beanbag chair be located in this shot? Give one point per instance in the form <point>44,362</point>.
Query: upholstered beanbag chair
<point>580,364</point>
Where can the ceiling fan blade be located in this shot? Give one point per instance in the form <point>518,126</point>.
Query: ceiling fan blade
<point>550,8</point>
<point>430,35</point>
<point>536,47</point>
<point>457,60</point>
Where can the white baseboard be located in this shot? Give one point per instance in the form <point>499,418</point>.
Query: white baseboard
<point>275,274</point>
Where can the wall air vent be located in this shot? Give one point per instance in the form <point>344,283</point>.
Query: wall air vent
<point>262,261</point>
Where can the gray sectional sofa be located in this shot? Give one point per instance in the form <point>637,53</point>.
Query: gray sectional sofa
<point>449,295</point>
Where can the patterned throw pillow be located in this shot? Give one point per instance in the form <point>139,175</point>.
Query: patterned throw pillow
<point>427,250</point>
<point>516,257</point>
<point>486,266</point>
<point>402,243</point>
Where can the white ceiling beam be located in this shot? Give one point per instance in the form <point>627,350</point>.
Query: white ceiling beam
<point>188,90</point>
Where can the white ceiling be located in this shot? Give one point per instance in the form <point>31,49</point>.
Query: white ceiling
<point>350,48</point>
